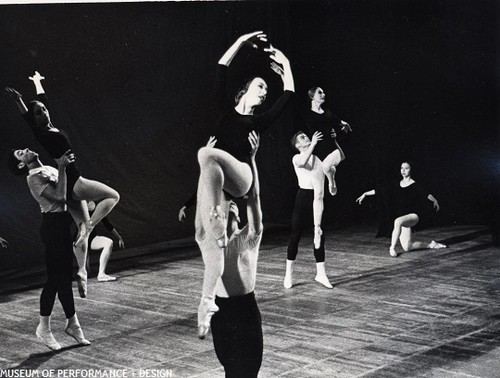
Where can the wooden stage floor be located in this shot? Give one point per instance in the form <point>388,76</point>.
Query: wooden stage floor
<point>432,313</point>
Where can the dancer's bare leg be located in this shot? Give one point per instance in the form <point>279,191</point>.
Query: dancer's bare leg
<point>330,165</point>
<point>318,181</point>
<point>105,245</point>
<point>80,251</point>
<point>105,198</point>
<point>408,244</point>
<point>405,221</point>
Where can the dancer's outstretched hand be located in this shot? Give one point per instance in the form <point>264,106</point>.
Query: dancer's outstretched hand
<point>3,243</point>
<point>246,38</point>
<point>276,55</point>
<point>211,142</point>
<point>435,204</point>
<point>254,139</point>
<point>361,198</point>
<point>277,68</point>
<point>206,310</point>
<point>346,128</point>
<point>66,159</point>
<point>317,136</point>
<point>37,77</point>
<point>182,214</point>
<point>12,93</point>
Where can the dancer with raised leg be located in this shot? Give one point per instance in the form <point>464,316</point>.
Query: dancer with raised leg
<point>56,142</point>
<point>225,170</point>
<point>237,326</point>
<point>409,196</point>
<point>323,120</point>
<point>48,187</point>
<point>311,179</point>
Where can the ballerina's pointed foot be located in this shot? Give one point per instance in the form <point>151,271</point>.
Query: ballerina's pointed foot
<point>332,188</point>
<point>206,310</point>
<point>287,282</point>
<point>105,278</point>
<point>436,245</point>
<point>323,280</point>
<point>218,225</point>
<point>46,337</point>
<point>393,252</point>
<point>83,233</point>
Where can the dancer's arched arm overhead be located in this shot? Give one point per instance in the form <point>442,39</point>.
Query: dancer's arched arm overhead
<point>362,197</point>
<point>231,52</point>
<point>300,160</point>
<point>18,98</point>
<point>285,72</point>
<point>254,211</point>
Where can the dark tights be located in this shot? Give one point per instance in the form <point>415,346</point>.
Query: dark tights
<point>301,219</point>
<point>56,236</point>
<point>237,335</point>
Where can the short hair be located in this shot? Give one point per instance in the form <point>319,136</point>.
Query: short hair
<point>293,141</point>
<point>312,91</point>
<point>243,89</point>
<point>12,164</point>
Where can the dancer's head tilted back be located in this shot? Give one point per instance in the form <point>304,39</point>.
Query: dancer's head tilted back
<point>253,92</point>
<point>38,113</point>
<point>19,161</point>
<point>300,141</point>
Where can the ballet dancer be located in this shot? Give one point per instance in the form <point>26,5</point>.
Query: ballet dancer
<point>323,120</point>
<point>408,195</point>
<point>98,242</point>
<point>48,186</point>
<point>237,325</point>
<point>225,169</point>
<point>3,243</point>
<point>311,179</point>
<point>56,141</point>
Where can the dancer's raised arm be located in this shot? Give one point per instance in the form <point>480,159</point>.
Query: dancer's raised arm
<point>286,71</point>
<point>362,197</point>
<point>18,99</point>
<point>231,52</point>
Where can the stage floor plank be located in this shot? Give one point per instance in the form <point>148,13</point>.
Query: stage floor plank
<point>432,313</point>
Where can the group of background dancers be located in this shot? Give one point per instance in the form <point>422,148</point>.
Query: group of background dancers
<point>227,171</point>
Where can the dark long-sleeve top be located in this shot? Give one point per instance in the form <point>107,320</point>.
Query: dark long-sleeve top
<point>233,128</point>
<point>56,142</point>
<point>410,199</point>
<point>324,123</point>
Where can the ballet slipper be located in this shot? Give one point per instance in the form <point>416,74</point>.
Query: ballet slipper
<point>74,330</point>
<point>81,281</point>
<point>332,188</point>
<point>83,233</point>
<point>436,245</point>
<point>323,280</point>
<point>105,278</point>
<point>218,226</point>
<point>393,252</point>
<point>287,282</point>
<point>46,337</point>
<point>317,236</point>
<point>206,310</point>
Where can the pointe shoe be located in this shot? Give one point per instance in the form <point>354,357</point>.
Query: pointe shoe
<point>332,188</point>
<point>206,310</point>
<point>218,226</point>
<point>47,338</point>
<point>436,245</point>
<point>83,233</point>
<point>75,331</point>
<point>105,278</point>
<point>81,281</point>
<point>393,252</point>
<point>317,237</point>
<point>287,282</point>
<point>323,280</point>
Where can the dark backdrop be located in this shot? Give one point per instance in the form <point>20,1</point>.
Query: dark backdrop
<point>133,83</point>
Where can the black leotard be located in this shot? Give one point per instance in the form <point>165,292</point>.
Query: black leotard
<point>56,143</point>
<point>410,199</point>
<point>324,123</point>
<point>233,128</point>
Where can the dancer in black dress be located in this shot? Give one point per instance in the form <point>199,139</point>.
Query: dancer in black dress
<point>409,196</point>
<point>225,169</point>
